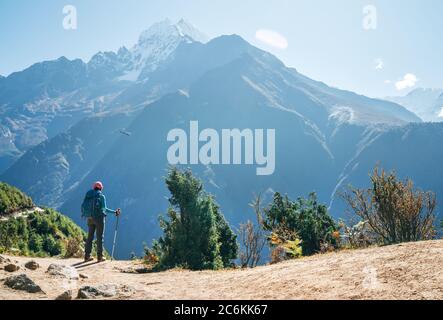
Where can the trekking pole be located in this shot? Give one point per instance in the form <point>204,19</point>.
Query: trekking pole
<point>115,238</point>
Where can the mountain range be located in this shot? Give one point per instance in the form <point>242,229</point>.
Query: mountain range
<point>424,102</point>
<point>62,124</point>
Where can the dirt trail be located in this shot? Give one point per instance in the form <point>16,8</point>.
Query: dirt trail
<point>20,213</point>
<point>405,271</point>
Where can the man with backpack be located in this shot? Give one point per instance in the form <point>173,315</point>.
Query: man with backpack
<point>95,210</point>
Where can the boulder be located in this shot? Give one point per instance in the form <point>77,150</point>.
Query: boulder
<point>11,267</point>
<point>90,292</point>
<point>136,270</point>
<point>32,265</point>
<point>22,282</point>
<point>67,295</point>
<point>63,271</point>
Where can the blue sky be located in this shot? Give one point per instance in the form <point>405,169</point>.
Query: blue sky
<point>325,39</point>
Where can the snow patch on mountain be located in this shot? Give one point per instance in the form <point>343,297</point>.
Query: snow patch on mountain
<point>342,114</point>
<point>156,45</point>
<point>425,102</point>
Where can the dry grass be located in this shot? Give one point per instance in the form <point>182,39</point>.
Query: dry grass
<point>404,271</point>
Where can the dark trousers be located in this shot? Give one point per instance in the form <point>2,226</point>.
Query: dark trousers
<point>97,226</point>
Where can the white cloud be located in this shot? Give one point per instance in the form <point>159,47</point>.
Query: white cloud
<point>379,64</point>
<point>440,115</point>
<point>408,81</point>
<point>271,38</point>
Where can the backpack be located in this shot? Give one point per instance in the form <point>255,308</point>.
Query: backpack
<point>91,204</point>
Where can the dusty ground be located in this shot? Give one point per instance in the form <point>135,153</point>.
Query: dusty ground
<point>406,271</point>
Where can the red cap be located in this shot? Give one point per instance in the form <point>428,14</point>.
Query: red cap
<point>98,185</point>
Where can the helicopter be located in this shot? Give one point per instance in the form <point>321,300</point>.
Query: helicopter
<point>126,133</point>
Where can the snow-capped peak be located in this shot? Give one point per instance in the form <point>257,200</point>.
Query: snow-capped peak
<point>187,29</point>
<point>156,44</point>
<point>166,29</point>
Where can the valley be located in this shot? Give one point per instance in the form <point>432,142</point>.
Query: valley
<point>63,130</point>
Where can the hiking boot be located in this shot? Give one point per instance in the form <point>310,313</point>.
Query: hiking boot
<point>87,259</point>
<point>101,259</point>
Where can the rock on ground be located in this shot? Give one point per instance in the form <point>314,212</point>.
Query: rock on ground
<point>32,265</point>
<point>105,291</point>
<point>67,295</point>
<point>90,292</point>
<point>22,282</point>
<point>63,271</point>
<point>11,267</point>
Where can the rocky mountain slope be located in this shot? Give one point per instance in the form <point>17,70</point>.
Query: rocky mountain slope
<point>49,97</point>
<point>405,271</point>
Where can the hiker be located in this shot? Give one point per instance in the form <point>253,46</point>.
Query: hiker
<point>95,210</point>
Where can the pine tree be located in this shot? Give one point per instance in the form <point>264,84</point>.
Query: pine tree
<point>196,235</point>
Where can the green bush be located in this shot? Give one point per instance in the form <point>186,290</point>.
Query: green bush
<point>35,243</point>
<point>46,233</point>
<point>12,199</point>
<point>306,218</point>
<point>196,234</point>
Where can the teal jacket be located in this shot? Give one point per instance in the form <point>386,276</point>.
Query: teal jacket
<point>102,201</point>
<point>105,210</point>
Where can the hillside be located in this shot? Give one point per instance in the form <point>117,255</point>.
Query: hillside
<point>32,231</point>
<point>404,271</point>
<point>12,200</point>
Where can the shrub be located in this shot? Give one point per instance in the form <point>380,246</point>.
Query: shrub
<point>358,235</point>
<point>393,209</point>
<point>252,237</point>
<point>150,256</point>
<point>12,199</point>
<point>306,218</point>
<point>35,243</point>
<point>285,244</point>
<point>251,243</point>
<point>196,235</point>
<point>51,246</point>
<point>39,234</point>
<point>9,235</point>
<point>73,248</point>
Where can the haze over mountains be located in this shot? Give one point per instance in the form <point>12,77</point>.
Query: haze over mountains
<point>424,102</point>
<point>61,128</point>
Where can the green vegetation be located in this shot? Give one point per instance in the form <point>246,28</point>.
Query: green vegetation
<point>196,234</point>
<point>38,233</point>
<point>45,233</point>
<point>304,219</point>
<point>12,199</point>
